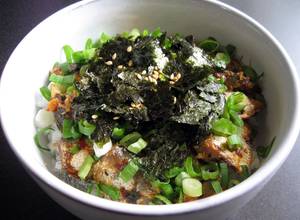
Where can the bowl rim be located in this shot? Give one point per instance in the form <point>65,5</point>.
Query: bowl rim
<point>265,171</point>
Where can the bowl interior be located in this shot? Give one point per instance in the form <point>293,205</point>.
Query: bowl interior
<point>28,67</point>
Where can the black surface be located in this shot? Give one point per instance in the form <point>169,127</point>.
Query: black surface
<point>21,197</point>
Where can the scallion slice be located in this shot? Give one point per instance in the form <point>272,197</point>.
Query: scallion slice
<point>85,167</point>
<point>88,44</point>
<point>222,60</point>
<point>245,172</point>
<point>236,119</point>
<point>209,45</point>
<point>156,33</point>
<point>69,131</point>
<point>130,139</point>
<point>129,171</point>
<point>62,80</point>
<point>188,165</point>
<point>234,142</point>
<point>163,199</point>
<point>210,171</point>
<point>69,53</point>
<point>233,182</point>
<point>111,191</point>
<point>86,128</point>
<point>118,133</point>
<point>265,151</point>
<point>67,126</point>
<point>224,127</point>
<point>180,177</point>
<point>137,146</point>
<point>38,136</point>
<point>192,187</point>
<point>45,92</point>
<point>224,174</point>
<point>236,101</point>
<point>216,186</point>
<point>75,149</point>
<point>173,172</point>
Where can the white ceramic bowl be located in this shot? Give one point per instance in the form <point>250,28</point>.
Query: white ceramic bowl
<point>28,66</point>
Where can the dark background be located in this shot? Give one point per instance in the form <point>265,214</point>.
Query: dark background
<point>21,197</point>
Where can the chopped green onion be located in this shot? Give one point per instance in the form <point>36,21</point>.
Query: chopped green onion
<point>173,172</point>
<point>45,92</point>
<point>192,187</point>
<point>216,186</point>
<point>75,149</point>
<point>62,80</point>
<point>75,133</point>
<point>111,191</point>
<point>165,187</point>
<point>104,38</point>
<point>222,60</point>
<point>156,33</point>
<point>180,197</point>
<point>134,33</point>
<point>67,126</point>
<point>145,33</point>
<point>233,182</point>
<point>245,172</point>
<point>86,128</point>
<point>265,151</point>
<point>85,167</point>
<point>224,174</point>
<point>224,127</point>
<point>137,146</point>
<point>234,142</point>
<point>188,165</point>
<point>88,44</point>
<point>167,43</point>
<point>180,177</point>
<point>69,130</point>
<point>70,90</point>
<point>90,188</point>
<point>236,119</point>
<point>236,101</point>
<point>118,133</point>
<point>163,199</point>
<point>129,171</point>
<point>210,171</point>
<point>130,139</point>
<point>69,53</point>
<point>209,45</point>
<point>38,136</point>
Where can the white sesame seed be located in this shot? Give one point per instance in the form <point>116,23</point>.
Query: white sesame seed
<point>144,72</point>
<point>172,76</point>
<point>129,49</point>
<point>178,76</point>
<point>130,63</point>
<point>156,67</point>
<point>155,74</point>
<point>114,56</point>
<point>174,99</point>
<point>109,63</point>
<point>94,116</point>
<point>172,82</point>
<point>116,118</point>
<point>120,67</point>
<point>139,76</point>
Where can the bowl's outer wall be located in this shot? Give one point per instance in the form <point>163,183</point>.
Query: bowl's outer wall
<point>42,47</point>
